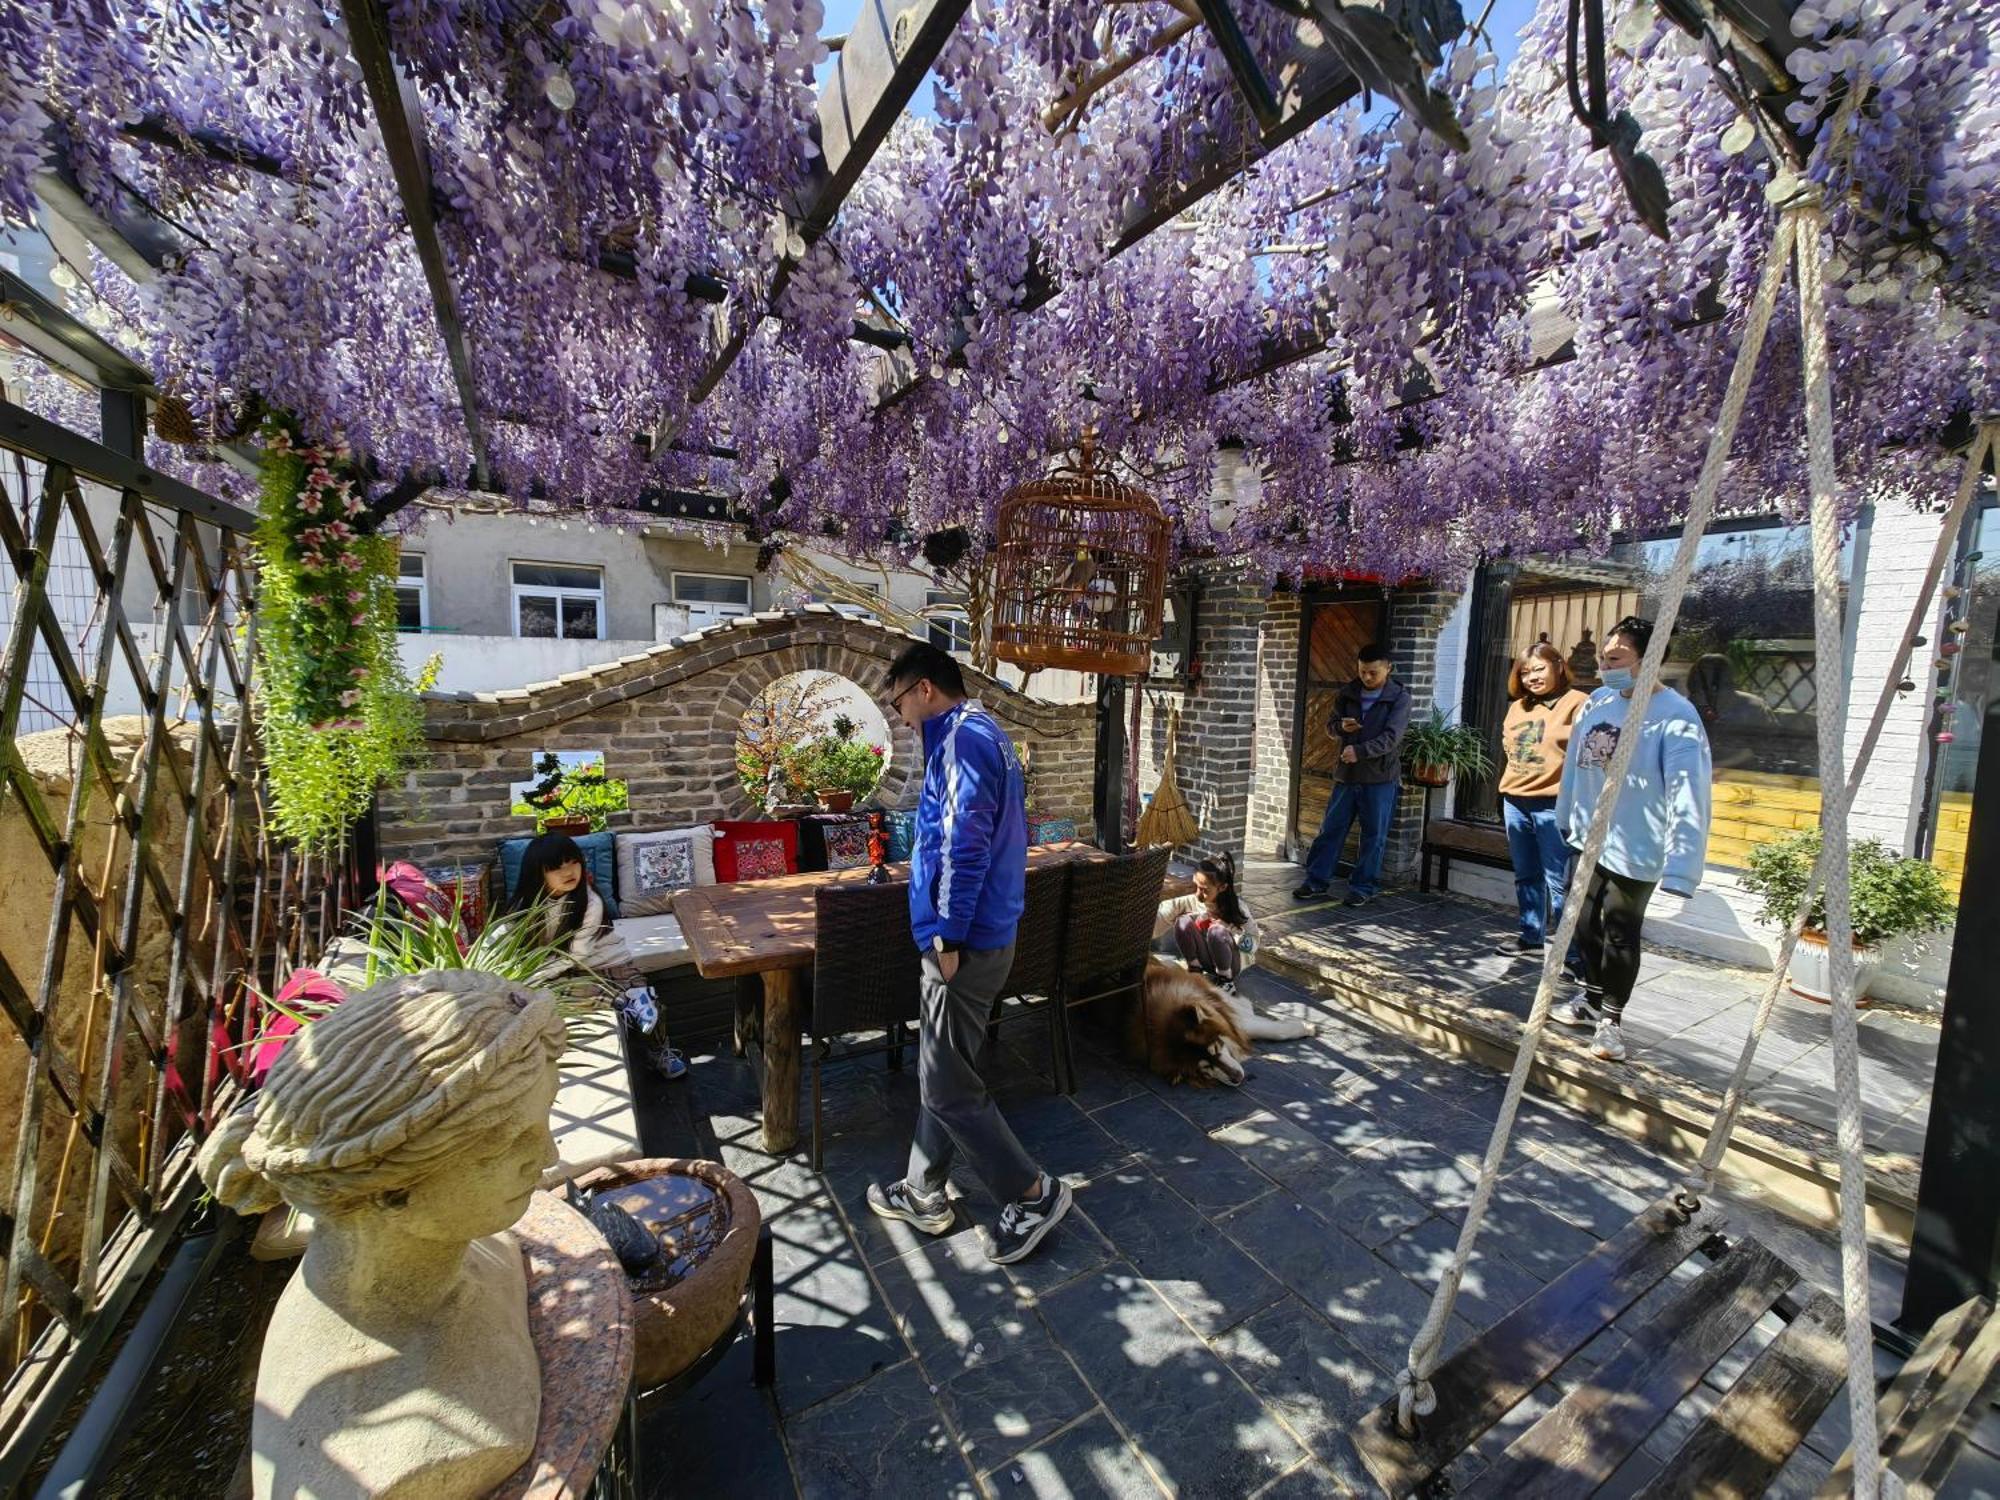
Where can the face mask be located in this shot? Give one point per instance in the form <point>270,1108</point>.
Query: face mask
<point>1619,678</point>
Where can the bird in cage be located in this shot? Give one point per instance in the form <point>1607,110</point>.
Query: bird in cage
<point>1074,578</point>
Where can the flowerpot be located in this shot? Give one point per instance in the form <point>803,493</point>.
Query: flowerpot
<point>836,802</point>
<point>706,1220</point>
<point>573,823</point>
<point>1438,776</point>
<point>1811,973</point>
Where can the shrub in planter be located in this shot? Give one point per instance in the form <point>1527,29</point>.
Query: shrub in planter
<point>1438,750</point>
<point>572,799</point>
<point>1891,897</point>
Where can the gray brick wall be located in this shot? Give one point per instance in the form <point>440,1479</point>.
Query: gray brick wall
<point>1416,618</point>
<point>1276,724</point>
<point>667,720</point>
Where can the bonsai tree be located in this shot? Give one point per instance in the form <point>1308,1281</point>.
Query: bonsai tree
<point>837,763</point>
<point>1438,750</point>
<point>565,793</point>
<point>1892,896</point>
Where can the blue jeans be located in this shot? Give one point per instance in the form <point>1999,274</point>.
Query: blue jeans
<point>1374,805</point>
<point>1541,866</point>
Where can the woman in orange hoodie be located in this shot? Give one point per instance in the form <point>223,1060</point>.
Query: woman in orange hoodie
<point>1534,741</point>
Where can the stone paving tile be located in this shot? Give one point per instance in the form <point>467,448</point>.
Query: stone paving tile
<point>1492,1286</point>
<point>833,1329</point>
<point>1364,1202</point>
<point>1279,1149</point>
<point>1602,1207</point>
<point>1000,1404</point>
<point>1198,1426</point>
<point>1063,1139</point>
<point>887,1437</point>
<point>1364,1297</point>
<point>1075,1246</point>
<point>1180,1153</point>
<point>1208,1280</point>
<point>1087,1460</point>
<point>1211,1108</point>
<point>954,1305</point>
<point>677,1453</point>
<point>1434,1179</point>
<point>1316,1381</point>
<point>1311,1480</point>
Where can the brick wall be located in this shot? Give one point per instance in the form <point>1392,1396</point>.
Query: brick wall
<point>1213,753</point>
<point>667,721</point>
<point>1276,724</point>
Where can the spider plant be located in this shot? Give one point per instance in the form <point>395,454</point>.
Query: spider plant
<point>420,941</point>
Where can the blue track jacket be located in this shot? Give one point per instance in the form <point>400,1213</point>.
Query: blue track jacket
<point>969,861</point>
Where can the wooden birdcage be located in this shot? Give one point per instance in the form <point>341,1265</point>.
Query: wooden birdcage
<point>1079,572</point>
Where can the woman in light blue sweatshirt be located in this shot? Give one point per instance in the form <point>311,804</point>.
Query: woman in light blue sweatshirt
<point>1659,830</point>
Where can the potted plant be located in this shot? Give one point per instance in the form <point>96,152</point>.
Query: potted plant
<point>1438,750</point>
<point>840,771</point>
<point>571,799</point>
<point>1891,897</point>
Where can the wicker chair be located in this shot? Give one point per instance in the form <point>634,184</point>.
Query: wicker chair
<point>1108,933</point>
<point>866,977</point>
<point>1035,981</point>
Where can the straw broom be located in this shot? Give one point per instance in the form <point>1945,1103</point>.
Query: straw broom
<point>1167,818</point>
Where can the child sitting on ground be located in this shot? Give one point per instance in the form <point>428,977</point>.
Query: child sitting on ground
<point>1217,937</point>
<point>552,884</point>
<point>1213,932</point>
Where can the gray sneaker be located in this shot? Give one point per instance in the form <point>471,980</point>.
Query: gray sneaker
<point>899,1200</point>
<point>1609,1043</point>
<point>1023,1225</point>
<point>1578,1012</point>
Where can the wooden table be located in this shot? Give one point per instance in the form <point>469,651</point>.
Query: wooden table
<point>764,932</point>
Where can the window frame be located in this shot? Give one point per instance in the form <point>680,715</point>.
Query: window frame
<point>421,585</point>
<point>951,626</point>
<point>702,613</point>
<point>559,593</point>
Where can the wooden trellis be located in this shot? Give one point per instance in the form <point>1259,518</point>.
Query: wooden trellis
<point>168,903</point>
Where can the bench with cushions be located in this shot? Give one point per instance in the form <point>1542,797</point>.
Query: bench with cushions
<point>637,873</point>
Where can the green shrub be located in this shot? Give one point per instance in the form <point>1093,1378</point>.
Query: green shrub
<point>1892,896</point>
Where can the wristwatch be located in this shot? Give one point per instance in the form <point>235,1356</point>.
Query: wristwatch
<point>939,945</point>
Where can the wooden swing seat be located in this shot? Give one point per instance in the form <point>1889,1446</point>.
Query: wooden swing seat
<point>1739,1447</point>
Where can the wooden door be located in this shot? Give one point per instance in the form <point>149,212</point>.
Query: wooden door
<point>1334,632</point>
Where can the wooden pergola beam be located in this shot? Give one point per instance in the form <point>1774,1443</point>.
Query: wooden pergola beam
<point>876,73</point>
<point>1311,83</point>
<point>401,123</point>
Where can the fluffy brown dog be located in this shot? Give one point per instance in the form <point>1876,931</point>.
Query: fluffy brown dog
<point>1183,1029</point>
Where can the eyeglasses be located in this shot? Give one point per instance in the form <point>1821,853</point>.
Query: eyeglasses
<point>896,703</point>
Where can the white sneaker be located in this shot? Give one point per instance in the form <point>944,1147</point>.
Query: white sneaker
<point>1576,1011</point>
<point>1609,1043</point>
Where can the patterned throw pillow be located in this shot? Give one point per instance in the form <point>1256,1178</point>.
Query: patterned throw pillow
<point>847,844</point>
<point>760,859</point>
<point>655,867</point>
<point>755,850</point>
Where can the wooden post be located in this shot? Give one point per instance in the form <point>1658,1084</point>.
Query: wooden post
<point>1955,1252</point>
<point>1108,801</point>
<point>782,1025</point>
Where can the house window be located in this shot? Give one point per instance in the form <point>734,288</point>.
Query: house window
<point>558,601</point>
<point>711,598</point>
<point>1742,653</point>
<point>413,595</point>
<point>950,630</point>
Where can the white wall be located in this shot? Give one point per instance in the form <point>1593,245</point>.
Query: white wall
<point>487,663</point>
<point>1890,805</point>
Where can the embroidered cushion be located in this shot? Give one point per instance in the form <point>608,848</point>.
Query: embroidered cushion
<point>654,867</point>
<point>833,841</point>
<point>755,850</point>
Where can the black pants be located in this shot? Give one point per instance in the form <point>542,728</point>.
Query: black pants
<point>1607,936</point>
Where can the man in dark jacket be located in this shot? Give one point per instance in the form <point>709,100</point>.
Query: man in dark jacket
<point>968,884</point>
<point>1370,717</point>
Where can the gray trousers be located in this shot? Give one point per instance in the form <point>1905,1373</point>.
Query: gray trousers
<point>958,1114</point>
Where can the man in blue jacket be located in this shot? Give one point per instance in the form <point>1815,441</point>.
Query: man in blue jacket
<point>968,883</point>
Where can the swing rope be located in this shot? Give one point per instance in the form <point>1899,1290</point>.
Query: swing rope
<point>1415,1396</point>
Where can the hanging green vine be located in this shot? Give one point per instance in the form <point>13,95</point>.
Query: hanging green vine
<point>338,714</point>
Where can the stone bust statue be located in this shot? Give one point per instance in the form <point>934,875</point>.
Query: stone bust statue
<point>413,1123</point>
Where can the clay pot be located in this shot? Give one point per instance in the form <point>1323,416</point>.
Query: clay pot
<point>573,824</point>
<point>1431,775</point>
<point>836,802</point>
<point>707,1220</point>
